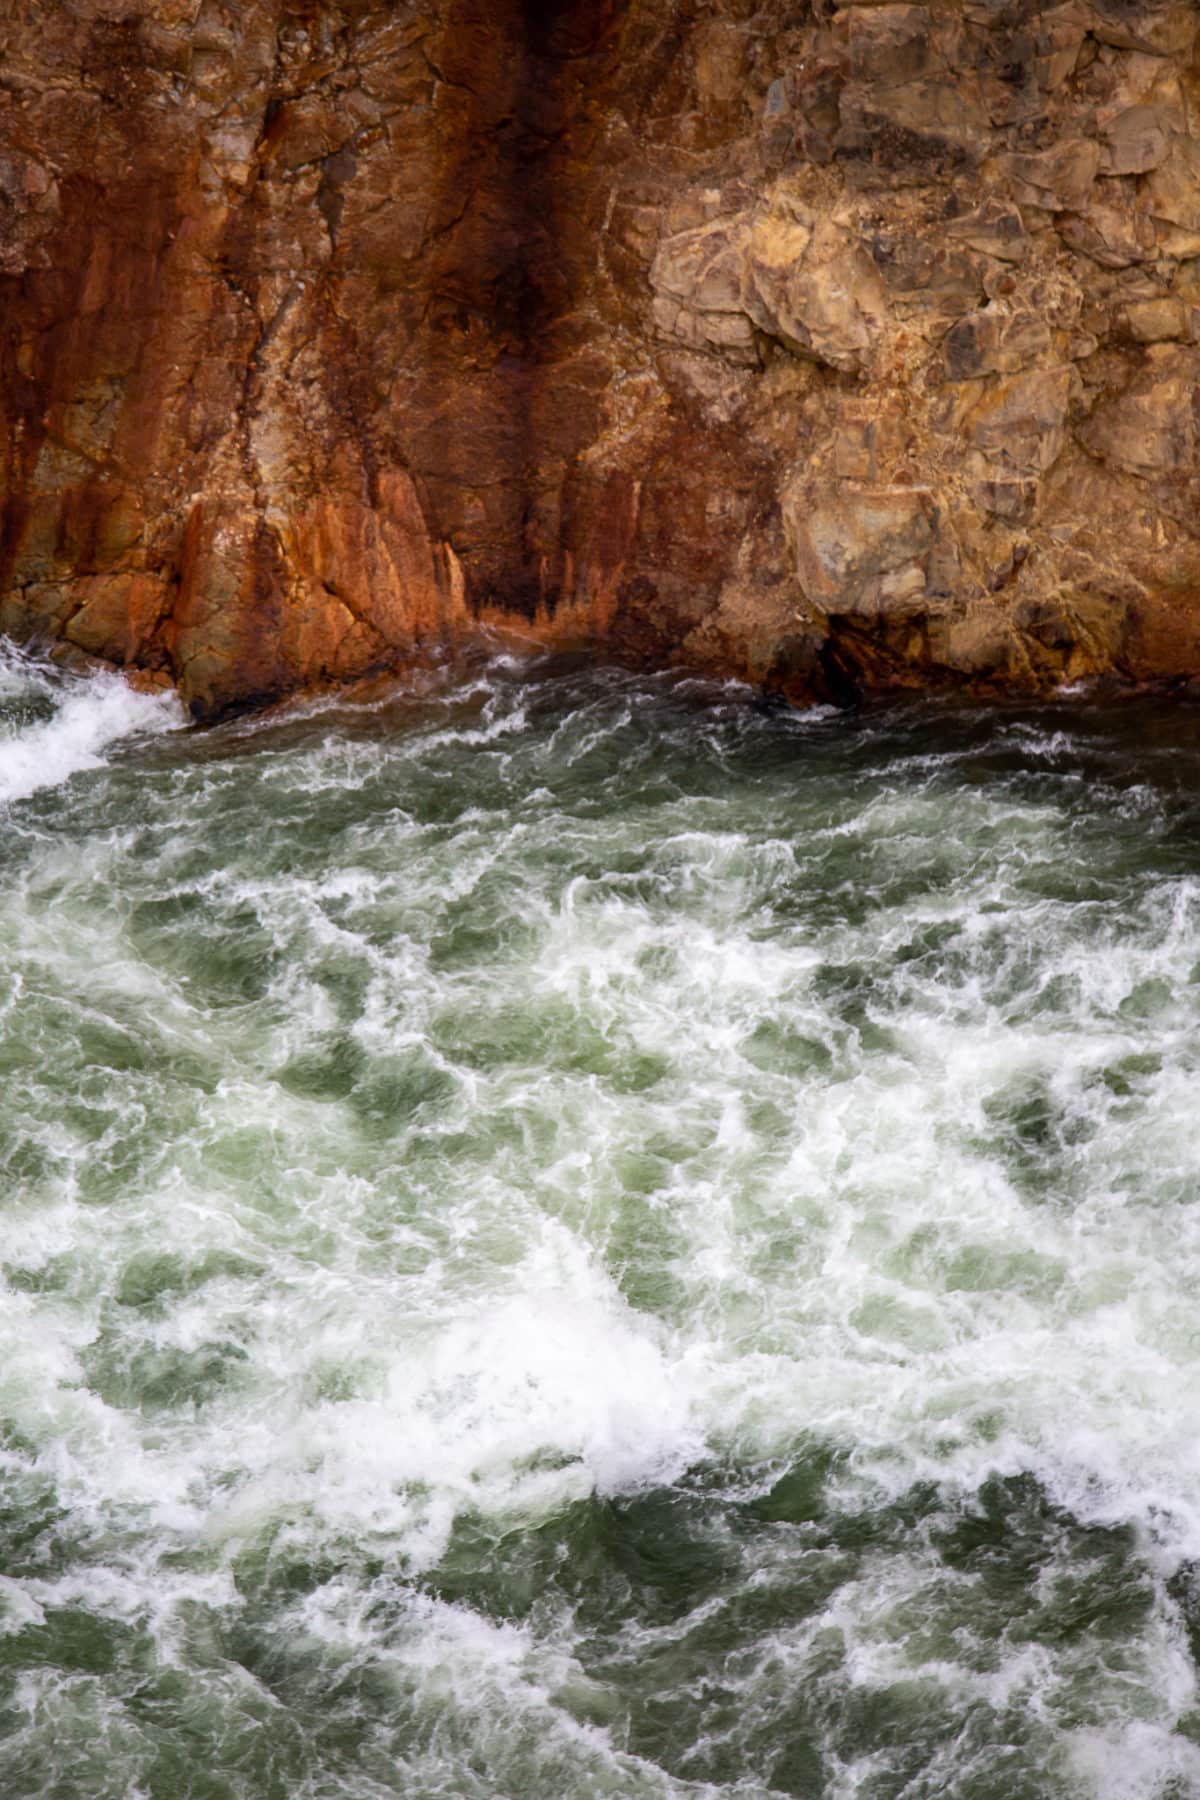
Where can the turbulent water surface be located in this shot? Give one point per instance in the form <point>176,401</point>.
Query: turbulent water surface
<point>567,1236</point>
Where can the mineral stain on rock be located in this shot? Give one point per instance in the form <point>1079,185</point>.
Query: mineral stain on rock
<point>834,348</point>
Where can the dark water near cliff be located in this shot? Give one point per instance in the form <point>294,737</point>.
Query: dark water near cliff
<point>567,1236</point>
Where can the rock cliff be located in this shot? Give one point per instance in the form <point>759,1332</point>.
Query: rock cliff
<point>838,348</point>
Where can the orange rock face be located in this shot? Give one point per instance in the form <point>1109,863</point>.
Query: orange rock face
<point>833,348</point>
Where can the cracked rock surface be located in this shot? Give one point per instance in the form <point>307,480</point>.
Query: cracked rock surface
<point>835,348</point>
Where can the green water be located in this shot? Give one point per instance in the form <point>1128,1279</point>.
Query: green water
<point>566,1235</point>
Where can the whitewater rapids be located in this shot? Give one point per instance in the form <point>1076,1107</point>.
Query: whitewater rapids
<point>566,1234</point>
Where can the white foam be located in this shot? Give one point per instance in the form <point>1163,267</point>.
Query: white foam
<point>18,1607</point>
<point>92,714</point>
<point>511,1404</point>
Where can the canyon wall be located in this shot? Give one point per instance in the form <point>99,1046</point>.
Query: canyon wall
<point>836,348</point>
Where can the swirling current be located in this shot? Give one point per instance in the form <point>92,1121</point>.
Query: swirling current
<point>566,1234</point>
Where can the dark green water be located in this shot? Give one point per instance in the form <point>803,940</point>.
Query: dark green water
<point>567,1236</point>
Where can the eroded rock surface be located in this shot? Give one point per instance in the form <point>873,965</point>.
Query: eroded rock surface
<point>832,347</point>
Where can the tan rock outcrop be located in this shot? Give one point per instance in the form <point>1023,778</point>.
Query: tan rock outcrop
<point>832,346</point>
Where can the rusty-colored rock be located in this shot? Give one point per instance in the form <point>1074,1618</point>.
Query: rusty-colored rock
<point>827,346</point>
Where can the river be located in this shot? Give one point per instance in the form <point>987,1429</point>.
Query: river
<point>567,1234</point>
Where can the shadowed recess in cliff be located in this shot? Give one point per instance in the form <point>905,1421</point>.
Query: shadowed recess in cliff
<point>503,419</point>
